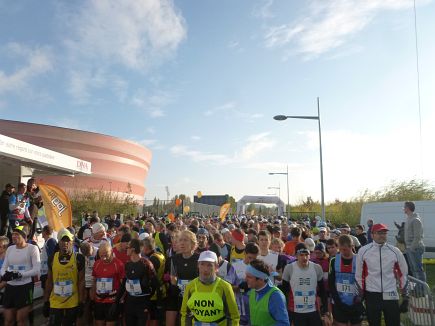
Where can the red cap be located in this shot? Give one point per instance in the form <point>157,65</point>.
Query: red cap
<point>238,235</point>
<point>379,227</point>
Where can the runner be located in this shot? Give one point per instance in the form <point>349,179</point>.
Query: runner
<point>183,269</point>
<point>89,252</point>
<point>158,261</point>
<point>251,252</point>
<point>47,250</point>
<point>267,303</point>
<point>108,274</point>
<point>238,247</point>
<point>380,269</point>
<point>140,284</point>
<point>347,308</point>
<point>302,281</point>
<point>22,262</point>
<point>65,288</point>
<point>209,300</point>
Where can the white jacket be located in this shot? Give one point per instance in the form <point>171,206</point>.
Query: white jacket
<point>381,268</point>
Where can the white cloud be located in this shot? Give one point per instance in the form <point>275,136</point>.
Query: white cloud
<point>229,106</point>
<point>328,24</point>
<point>154,144</point>
<point>153,102</point>
<point>230,110</point>
<point>195,138</point>
<point>254,146</point>
<point>37,61</point>
<point>131,33</point>
<point>198,156</point>
<point>262,10</point>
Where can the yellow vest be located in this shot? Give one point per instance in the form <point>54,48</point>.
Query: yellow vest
<point>159,244</point>
<point>160,273</point>
<point>235,255</point>
<point>207,307</point>
<point>65,292</point>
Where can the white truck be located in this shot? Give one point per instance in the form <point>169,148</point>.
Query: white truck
<point>390,212</point>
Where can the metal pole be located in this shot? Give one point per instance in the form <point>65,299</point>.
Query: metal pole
<point>321,163</point>
<point>288,197</point>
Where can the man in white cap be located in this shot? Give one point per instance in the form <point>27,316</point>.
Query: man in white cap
<point>208,299</point>
<point>98,236</point>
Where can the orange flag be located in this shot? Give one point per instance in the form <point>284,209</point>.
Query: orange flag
<point>225,208</point>
<point>58,210</point>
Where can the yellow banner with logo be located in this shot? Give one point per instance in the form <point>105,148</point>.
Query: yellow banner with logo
<point>225,208</point>
<point>58,210</point>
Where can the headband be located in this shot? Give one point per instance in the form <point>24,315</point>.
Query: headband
<point>303,251</point>
<point>255,272</point>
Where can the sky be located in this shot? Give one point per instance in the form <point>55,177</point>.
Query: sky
<point>198,83</point>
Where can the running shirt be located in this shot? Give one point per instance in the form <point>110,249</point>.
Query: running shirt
<point>184,269</point>
<point>107,278</point>
<point>303,286</point>
<point>140,280</point>
<point>25,261</point>
<point>122,256</point>
<point>271,259</point>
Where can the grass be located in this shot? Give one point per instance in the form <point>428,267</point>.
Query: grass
<point>430,275</point>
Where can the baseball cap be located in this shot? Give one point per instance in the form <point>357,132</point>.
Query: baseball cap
<point>310,244</point>
<point>224,230</point>
<point>143,236</point>
<point>97,227</point>
<point>344,226</point>
<point>209,256</point>
<point>320,246</point>
<point>202,231</point>
<point>336,232</point>
<point>65,233</point>
<point>20,229</point>
<point>322,229</point>
<point>379,227</point>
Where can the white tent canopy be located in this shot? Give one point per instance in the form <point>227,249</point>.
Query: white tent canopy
<point>241,204</point>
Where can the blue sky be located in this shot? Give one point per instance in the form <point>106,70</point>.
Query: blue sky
<point>198,83</point>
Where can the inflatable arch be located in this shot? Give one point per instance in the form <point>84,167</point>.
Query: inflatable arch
<point>241,204</point>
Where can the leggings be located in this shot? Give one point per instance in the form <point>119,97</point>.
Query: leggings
<point>375,306</point>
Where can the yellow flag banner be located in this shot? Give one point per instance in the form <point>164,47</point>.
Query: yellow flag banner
<point>58,210</point>
<point>225,208</point>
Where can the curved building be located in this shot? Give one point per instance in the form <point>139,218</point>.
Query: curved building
<point>118,165</point>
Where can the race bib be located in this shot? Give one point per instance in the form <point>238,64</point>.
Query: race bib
<point>63,288</point>
<point>133,287</point>
<point>304,300</point>
<point>198,323</point>
<point>104,285</point>
<point>392,295</point>
<point>346,288</point>
<point>17,268</point>
<point>44,267</point>
<point>182,285</point>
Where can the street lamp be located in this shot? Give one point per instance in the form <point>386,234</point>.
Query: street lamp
<point>288,196</point>
<point>285,117</point>
<point>279,190</point>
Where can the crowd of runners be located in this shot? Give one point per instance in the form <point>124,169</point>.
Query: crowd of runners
<point>247,270</point>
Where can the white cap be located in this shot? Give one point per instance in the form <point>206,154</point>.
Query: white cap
<point>97,227</point>
<point>143,236</point>
<point>224,230</point>
<point>322,229</point>
<point>310,244</point>
<point>208,256</point>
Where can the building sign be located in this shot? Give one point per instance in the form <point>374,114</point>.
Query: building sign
<point>35,154</point>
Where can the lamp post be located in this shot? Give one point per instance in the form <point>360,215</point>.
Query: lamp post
<point>288,195</point>
<point>285,117</point>
<point>279,190</point>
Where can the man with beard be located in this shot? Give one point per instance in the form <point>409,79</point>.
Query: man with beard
<point>65,287</point>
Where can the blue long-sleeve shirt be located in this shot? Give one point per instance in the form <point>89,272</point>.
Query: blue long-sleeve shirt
<point>277,306</point>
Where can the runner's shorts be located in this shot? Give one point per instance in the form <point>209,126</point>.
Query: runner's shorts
<point>18,296</point>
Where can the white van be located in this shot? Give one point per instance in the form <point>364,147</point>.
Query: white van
<point>390,212</point>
